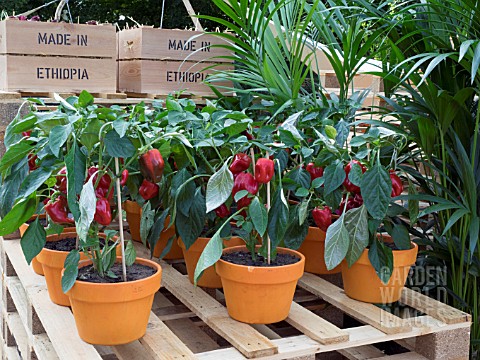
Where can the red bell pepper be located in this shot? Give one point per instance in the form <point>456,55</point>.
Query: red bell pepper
<point>32,162</point>
<point>315,171</point>
<point>26,133</point>
<point>264,170</point>
<point>244,181</point>
<point>397,184</point>
<point>148,190</point>
<point>103,188</point>
<point>152,165</point>
<point>62,180</point>
<point>322,217</point>
<point>241,162</point>
<point>58,211</point>
<point>103,212</point>
<point>124,177</point>
<point>222,211</point>
<point>347,183</point>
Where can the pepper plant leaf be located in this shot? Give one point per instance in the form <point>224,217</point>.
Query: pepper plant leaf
<point>356,223</point>
<point>71,270</point>
<point>75,162</point>
<point>219,187</point>
<point>381,258</point>
<point>20,213</point>
<point>87,203</point>
<point>376,188</point>
<point>336,243</point>
<point>210,255</point>
<point>259,216</point>
<point>334,176</point>
<point>33,240</point>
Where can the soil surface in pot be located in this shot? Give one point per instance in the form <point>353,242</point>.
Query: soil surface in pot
<point>42,222</point>
<point>134,272</point>
<point>244,258</point>
<point>67,244</point>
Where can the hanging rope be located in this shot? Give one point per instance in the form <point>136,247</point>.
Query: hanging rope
<point>163,9</point>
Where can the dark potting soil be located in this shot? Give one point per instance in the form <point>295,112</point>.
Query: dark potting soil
<point>42,222</point>
<point>134,272</point>
<point>244,258</point>
<point>67,244</point>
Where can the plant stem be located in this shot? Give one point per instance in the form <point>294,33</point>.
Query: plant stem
<point>252,155</point>
<point>120,220</point>
<point>268,209</point>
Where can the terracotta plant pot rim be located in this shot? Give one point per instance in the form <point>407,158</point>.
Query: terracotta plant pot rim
<point>142,261</point>
<point>65,235</point>
<point>280,250</point>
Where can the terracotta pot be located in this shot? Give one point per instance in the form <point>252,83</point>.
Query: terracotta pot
<point>259,295</point>
<point>114,314</point>
<point>209,279</point>
<point>361,282</point>
<point>134,214</point>
<point>313,248</point>
<point>52,262</point>
<point>175,251</point>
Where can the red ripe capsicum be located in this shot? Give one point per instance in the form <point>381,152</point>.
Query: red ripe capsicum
<point>244,181</point>
<point>62,180</point>
<point>32,162</point>
<point>347,183</point>
<point>57,211</point>
<point>314,171</point>
<point>103,212</point>
<point>222,211</point>
<point>124,177</point>
<point>148,190</point>
<point>322,217</point>
<point>103,188</point>
<point>264,170</point>
<point>397,184</point>
<point>241,162</point>
<point>152,165</point>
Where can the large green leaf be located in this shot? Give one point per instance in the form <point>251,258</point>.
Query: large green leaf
<point>15,154</point>
<point>118,146</point>
<point>337,243</point>
<point>71,270</point>
<point>75,163</point>
<point>20,213</point>
<point>259,215</point>
<point>33,240</point>
<point>146,221</point>
<point>210,255</point>
<point>57,138</point>
<point>277,218</point>
<point>219,187</point>
<point>10,186</point>
<point>381,258</point>
<point>376,188</point>
<point>191,226</point>
<point>87,203</point>
<point>296,230</point>
<point>156,231</point>
<point>334,176</point>
<point>356,223</point>
<point>33,181</point>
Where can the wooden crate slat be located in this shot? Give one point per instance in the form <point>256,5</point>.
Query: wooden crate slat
<point>434,308</point>
<point>249,341</point>
<point>16,328</point>
<point>57,320</point>
<point>161,342</point>
<point>362,353</point>
<point>367,313</point>
<point>43,347</point>
<point>133,350</point>
<point>405,356</point>
<point>315,326</point>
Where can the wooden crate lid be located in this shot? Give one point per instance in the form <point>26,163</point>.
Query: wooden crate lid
<point>57,39</point>
<point>168,44</point>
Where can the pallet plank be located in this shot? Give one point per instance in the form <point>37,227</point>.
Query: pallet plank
<point>133,350</point>
<point>162,343</point>
<point>362,353</point>
<point>246,339</point>
<point>367,313</point>
<point>434,308</point>
<point>57,320</point>
<point>315,326</point>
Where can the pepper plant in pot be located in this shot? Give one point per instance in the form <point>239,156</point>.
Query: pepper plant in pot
<point>253,273</point>
<point>369,240</point>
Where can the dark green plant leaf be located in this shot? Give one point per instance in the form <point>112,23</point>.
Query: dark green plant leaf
<point>337,243</point>
<point>190,227</point>
<point>210,255</point>
<point>381,258</point>
<point>71,270</point>
<point>342,132</point>
<point>355,174</point>
<point>75,163</point>
<point>85,99</point>
<point>20,213</point>
<point>57,138</point>
<point>120,127</point>
<point>259,215</point>
<point>334,176</point>
<point>296,230</point>
<point>277,218</point>
<point>156,231</point>
<point>33,240</point>
<point>11,185</point>
<point>117,146</point>
<point>376,188</point>
<point>219,187</point>
<point>14,154</point>
<point>33,181</point>
<point>300,177</point>
<point>401,237</point>
<point>130,254</point>
<point>146,221</point>
<point>356,223</point>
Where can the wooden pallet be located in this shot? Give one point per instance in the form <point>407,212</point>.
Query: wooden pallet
<point>190,323</point>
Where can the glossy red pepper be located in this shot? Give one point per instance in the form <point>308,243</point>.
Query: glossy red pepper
<point>124,177</point>
<point>322,217</point>
<point>103,212</point>
<point>397,184</point>
<point>62,180</point>
<point>148,190</point>
<point>32,162</point>
<point>26,133</point>
<point>248,135</point>
<point>245,181</point>
<point>264,170</point>
<point>315,171</point>
<point>241,162</point>
<point>353,203</point>
<point>347,183</point>
<point>152,165</point>
<point>58,211</point>
<point>222,211</point>
<point>103,188</point>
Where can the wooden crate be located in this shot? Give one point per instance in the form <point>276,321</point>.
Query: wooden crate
<point>190,323</point>
<point>60,57</point>
<point>161,61</point>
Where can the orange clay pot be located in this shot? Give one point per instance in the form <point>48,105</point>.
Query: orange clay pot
<point>259,295</point>
<point>134,214</point>
<point>52,262</point>
<point>114,314</point>
<point>175,251</point>
<point>209,278</point>
<point>313,248</point>
<point>361,282</point>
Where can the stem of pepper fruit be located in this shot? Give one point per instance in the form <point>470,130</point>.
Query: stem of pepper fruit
<point>120,219</point>
<point>268,209</point>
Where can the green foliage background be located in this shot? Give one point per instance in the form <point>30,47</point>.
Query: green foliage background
<point>145,12</point>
